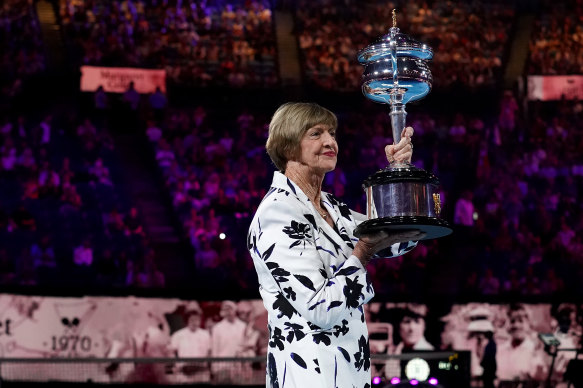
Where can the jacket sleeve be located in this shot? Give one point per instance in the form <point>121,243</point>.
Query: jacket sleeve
<point>395,250</point>
<point>283,241</point>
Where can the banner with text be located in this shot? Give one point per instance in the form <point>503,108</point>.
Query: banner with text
<point>117,79</point>
<point>555,87</point>
<point>127,327</point>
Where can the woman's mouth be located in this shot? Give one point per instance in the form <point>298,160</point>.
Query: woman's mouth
<point>330,154</point>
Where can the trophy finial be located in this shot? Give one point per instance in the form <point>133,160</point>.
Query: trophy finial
<point>394,18</point>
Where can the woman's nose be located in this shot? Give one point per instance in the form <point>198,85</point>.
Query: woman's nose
<point>328,138</point>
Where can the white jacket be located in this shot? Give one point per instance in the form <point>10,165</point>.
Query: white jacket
<point>313,289</point>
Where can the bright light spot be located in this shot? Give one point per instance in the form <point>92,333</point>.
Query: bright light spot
<point>395,380</point>
<point>417,369</point>
<point>376,380</point>
<point>222,236</point>
<point>432,381</point>
<point>413,382</point>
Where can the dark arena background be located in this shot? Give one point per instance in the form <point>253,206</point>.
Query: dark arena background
<point>132,159</point>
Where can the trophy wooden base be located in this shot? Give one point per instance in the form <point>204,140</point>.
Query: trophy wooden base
<point>431,226</point>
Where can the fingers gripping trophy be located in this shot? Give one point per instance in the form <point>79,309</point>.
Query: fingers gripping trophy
<point>400,197</point>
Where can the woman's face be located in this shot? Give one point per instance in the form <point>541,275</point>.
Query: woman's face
<point>411,330</point>
<point>318,148</point>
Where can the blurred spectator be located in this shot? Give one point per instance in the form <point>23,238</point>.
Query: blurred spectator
<point>530,282</point>
<point>23,219</point>
<point>489,284</point>
<point>131,97</point>
<point>158,100</point>
<point>7,268</point>
<point>149,276</point>
<point>464,210</point>
<point>101,102</point>
<point>71,199</point>
<point>108,269</point>
<point>512,286</point>
<point>43,253</point>
<point>153,133</point>
<point>250,343</point>
<point>100,172</point>
<point>45,131</point>
<point>48,180</point>
<point>83,254</point>
<point>133,223</point>
<point>508,108</point>
<point>227,337</point>
<point>520,358</point>
<point>192,341</point>
<point>164,154</point>
<point>551,284</point>
<point>206,257</point>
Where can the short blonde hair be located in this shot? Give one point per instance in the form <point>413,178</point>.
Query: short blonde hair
<point>289,124</point>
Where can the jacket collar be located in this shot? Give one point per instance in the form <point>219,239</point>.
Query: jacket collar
<point>282,182</point>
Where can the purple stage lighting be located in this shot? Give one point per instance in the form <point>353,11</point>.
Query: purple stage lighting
<point>413,382</point>
<point>376,380</point>
<point>395,380</point>
<point>432,381</point>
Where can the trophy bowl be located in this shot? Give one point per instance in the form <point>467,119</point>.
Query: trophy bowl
<point>415,79</point>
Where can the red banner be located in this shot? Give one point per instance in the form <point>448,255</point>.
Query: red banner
<point>117,79</point>
<point>555,87</point>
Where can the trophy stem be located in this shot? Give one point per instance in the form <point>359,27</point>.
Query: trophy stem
<point>398,116</point>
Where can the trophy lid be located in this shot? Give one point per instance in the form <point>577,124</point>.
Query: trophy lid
<point>409,173</point>
<point>406,46</point>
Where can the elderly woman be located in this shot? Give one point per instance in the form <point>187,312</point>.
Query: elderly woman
<point>311,268</point>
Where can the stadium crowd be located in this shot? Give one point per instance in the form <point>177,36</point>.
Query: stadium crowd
<point>21,46</point>
<point>510,180</point>
<point>556,46</point>
<point>512,200</point>
<point>64,219</point>
<point>199,43</point>
<point>469,38</point>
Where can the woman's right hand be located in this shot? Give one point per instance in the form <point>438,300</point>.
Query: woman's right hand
<point>370,244</point>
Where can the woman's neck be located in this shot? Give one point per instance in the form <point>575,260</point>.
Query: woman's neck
<point>308,180</point>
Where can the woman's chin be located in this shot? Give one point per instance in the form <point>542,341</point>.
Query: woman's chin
<point>324,168</point>
<point>330,166</point>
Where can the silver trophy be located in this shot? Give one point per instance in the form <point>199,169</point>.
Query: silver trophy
<point>401,196</point>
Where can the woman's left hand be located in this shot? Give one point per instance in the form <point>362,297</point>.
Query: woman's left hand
<point>402,151</point>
